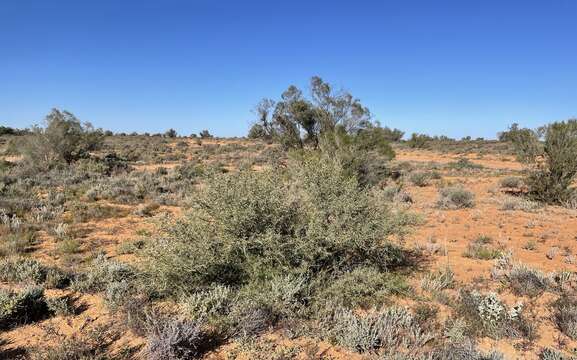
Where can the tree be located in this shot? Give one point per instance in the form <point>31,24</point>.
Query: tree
<point>171,133</point>
<point>296,121</point>
<point>204,134</point>
<point>63,139</point>
<point>550,154</point>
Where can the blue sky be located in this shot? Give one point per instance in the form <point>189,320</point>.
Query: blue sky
<point>438,67</point>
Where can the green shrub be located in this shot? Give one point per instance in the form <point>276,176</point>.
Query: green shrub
<point>260,223</point>
<point>101,273</point>
<point>420,179</point>
<point>63,140</point>
<point>23,307</point>
<point>363,287</point>
<point>481,248</point>
<point>553,164</point>
<point>455,198</point>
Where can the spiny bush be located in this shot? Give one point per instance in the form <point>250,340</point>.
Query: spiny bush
<point>455,197</point>
<point>23,307</point>
<point>552,162</point>
<point>565,315</point>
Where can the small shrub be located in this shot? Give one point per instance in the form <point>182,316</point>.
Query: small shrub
<point>393,330</point>
<point>455,198</point>
<point>463,164</point>
<point>565,315</point>
<point>438,281</point>
<point>527,281</point>
<point>21,308</point>
<point>511,182</point>
<point>101,273</point>
<point>487,315</point>
<point>517,203</point>
<point>61,306</point>
<point>420,179</point>
<point>481,248</point>
<point>176,340</point>
<point>93,344</point>
<point>551,354</point>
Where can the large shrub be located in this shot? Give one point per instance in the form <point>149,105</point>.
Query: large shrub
<point>62,140</point>
<point>550,153</point>
<point>308,220</point>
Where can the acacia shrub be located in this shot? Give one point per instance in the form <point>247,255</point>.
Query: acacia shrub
<point>309,219</point>
<point>62,140</point>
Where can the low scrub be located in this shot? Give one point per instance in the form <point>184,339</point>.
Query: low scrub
<point>487,315</point>
<point>455,197</point>
<point>565,315</point>
<point>18,308</point>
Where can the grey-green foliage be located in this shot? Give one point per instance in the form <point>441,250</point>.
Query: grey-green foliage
<point>305,220</point>
<point>393,330</point>
<point>550,153</point>
<point>101,273</point>
<point>455,197</point>
<point>63,139</point>
<point>551,354</point>
<point>565,315</point>
<point>487,315</point>
<point>22,307</point>
<point>27,270</point>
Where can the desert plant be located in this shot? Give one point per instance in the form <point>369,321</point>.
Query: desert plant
<point>255,226</point>
<point>64,139</point>
<point>511,182</point>
<point>455,197</point>
<point>552,163</point>
<point>565,315</point>
<point>527,281</point>
<point>393,330</point>
<point>172,339</point>
<point>23,307</point>
<point>487,315</point>
<point>481,248</point>
<point>420,179</point>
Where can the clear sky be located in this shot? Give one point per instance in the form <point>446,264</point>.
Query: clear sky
<point>439,67</point>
